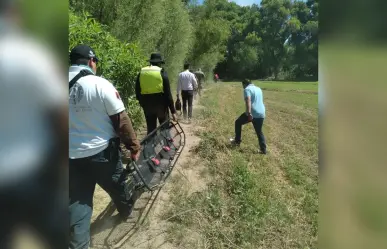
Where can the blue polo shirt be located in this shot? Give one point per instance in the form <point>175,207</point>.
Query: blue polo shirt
<point>256,95</point>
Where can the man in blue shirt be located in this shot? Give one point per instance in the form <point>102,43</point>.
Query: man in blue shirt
<point>255,113</point>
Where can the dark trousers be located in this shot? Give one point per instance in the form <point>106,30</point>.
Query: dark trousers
<point>257,123</point>
<point>153,114</point>
<point>187,97</point>
<point>37,202</point>
<point>84,173</point>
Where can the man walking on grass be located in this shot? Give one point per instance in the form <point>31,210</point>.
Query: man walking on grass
<point>255,113</point>
<point>187,84</point>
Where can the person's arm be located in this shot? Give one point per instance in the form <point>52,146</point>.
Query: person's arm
<point>167,92</point>
<point>247,96</point>
<point>138,89</point>
<point>124,129</point>
<point>194,81</point>
<point>121,122</point>
<point>248,105</point>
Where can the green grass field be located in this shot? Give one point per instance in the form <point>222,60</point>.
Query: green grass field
<point>288,86</point>
<point>254,201</point>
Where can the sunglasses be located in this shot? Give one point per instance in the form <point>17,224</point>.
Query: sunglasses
<point>94,59</point>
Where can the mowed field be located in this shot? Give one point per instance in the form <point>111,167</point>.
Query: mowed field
<point>252,200</point>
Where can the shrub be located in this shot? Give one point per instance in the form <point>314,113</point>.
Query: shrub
<point>119,62</point>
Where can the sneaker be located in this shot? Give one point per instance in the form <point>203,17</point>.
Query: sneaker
<point>234,142</point>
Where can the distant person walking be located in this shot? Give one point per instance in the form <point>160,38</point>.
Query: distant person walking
<point>186,85</point>
<point>216,78</point>
<point>153,92</point>
<point>255,113</point>
<point>200,76</point>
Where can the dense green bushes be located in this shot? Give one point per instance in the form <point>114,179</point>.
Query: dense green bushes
<point>275,39</point>
<point>156,25</point>
<point>119,62</point>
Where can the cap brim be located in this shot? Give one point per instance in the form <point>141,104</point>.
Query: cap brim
<point>157,61</point>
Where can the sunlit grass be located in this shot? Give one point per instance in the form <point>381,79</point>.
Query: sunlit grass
<point>254,201</point>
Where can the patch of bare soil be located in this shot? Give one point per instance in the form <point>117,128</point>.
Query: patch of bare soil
<point>148,228</point>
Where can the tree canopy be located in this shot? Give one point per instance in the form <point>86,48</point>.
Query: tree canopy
<point>275,40</point>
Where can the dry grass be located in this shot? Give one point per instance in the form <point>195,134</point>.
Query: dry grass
<point>253,201</point>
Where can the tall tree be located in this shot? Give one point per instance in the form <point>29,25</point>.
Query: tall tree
<point>176,37</point>
<point>275,15</point>
<point>276,39</point>
<point>304,41</point>
<point>212,30</point>
<point>141,21</point>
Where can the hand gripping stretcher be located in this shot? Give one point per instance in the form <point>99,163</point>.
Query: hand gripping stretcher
<point>160,150</point>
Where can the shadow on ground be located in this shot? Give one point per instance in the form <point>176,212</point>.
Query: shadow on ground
<point>109,231</point>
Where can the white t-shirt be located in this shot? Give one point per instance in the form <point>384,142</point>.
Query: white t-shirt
<point>31,87</point>
<point>91,101</point>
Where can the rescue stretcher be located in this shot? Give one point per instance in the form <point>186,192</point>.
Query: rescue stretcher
<point>160,151</point>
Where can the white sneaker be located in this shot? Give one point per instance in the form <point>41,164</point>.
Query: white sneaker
<point>233,142</point>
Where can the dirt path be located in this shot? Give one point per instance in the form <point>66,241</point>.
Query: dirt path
<point>149,227</point>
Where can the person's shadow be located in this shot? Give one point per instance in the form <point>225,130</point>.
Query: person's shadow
<point>109,230</point>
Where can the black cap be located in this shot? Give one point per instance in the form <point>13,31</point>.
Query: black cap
<point>156,58</point>
<point>82,52</point>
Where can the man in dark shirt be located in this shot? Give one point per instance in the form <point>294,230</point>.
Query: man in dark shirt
<point>153,92</point>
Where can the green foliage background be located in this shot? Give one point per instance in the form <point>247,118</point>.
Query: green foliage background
<point>119,61</point>
<point>275,40</point>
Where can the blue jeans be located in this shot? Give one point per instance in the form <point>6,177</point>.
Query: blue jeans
<point>257,123</point>
<point>84,173</point>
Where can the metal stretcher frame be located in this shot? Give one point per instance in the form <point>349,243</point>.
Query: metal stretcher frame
<point>132,165</point>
